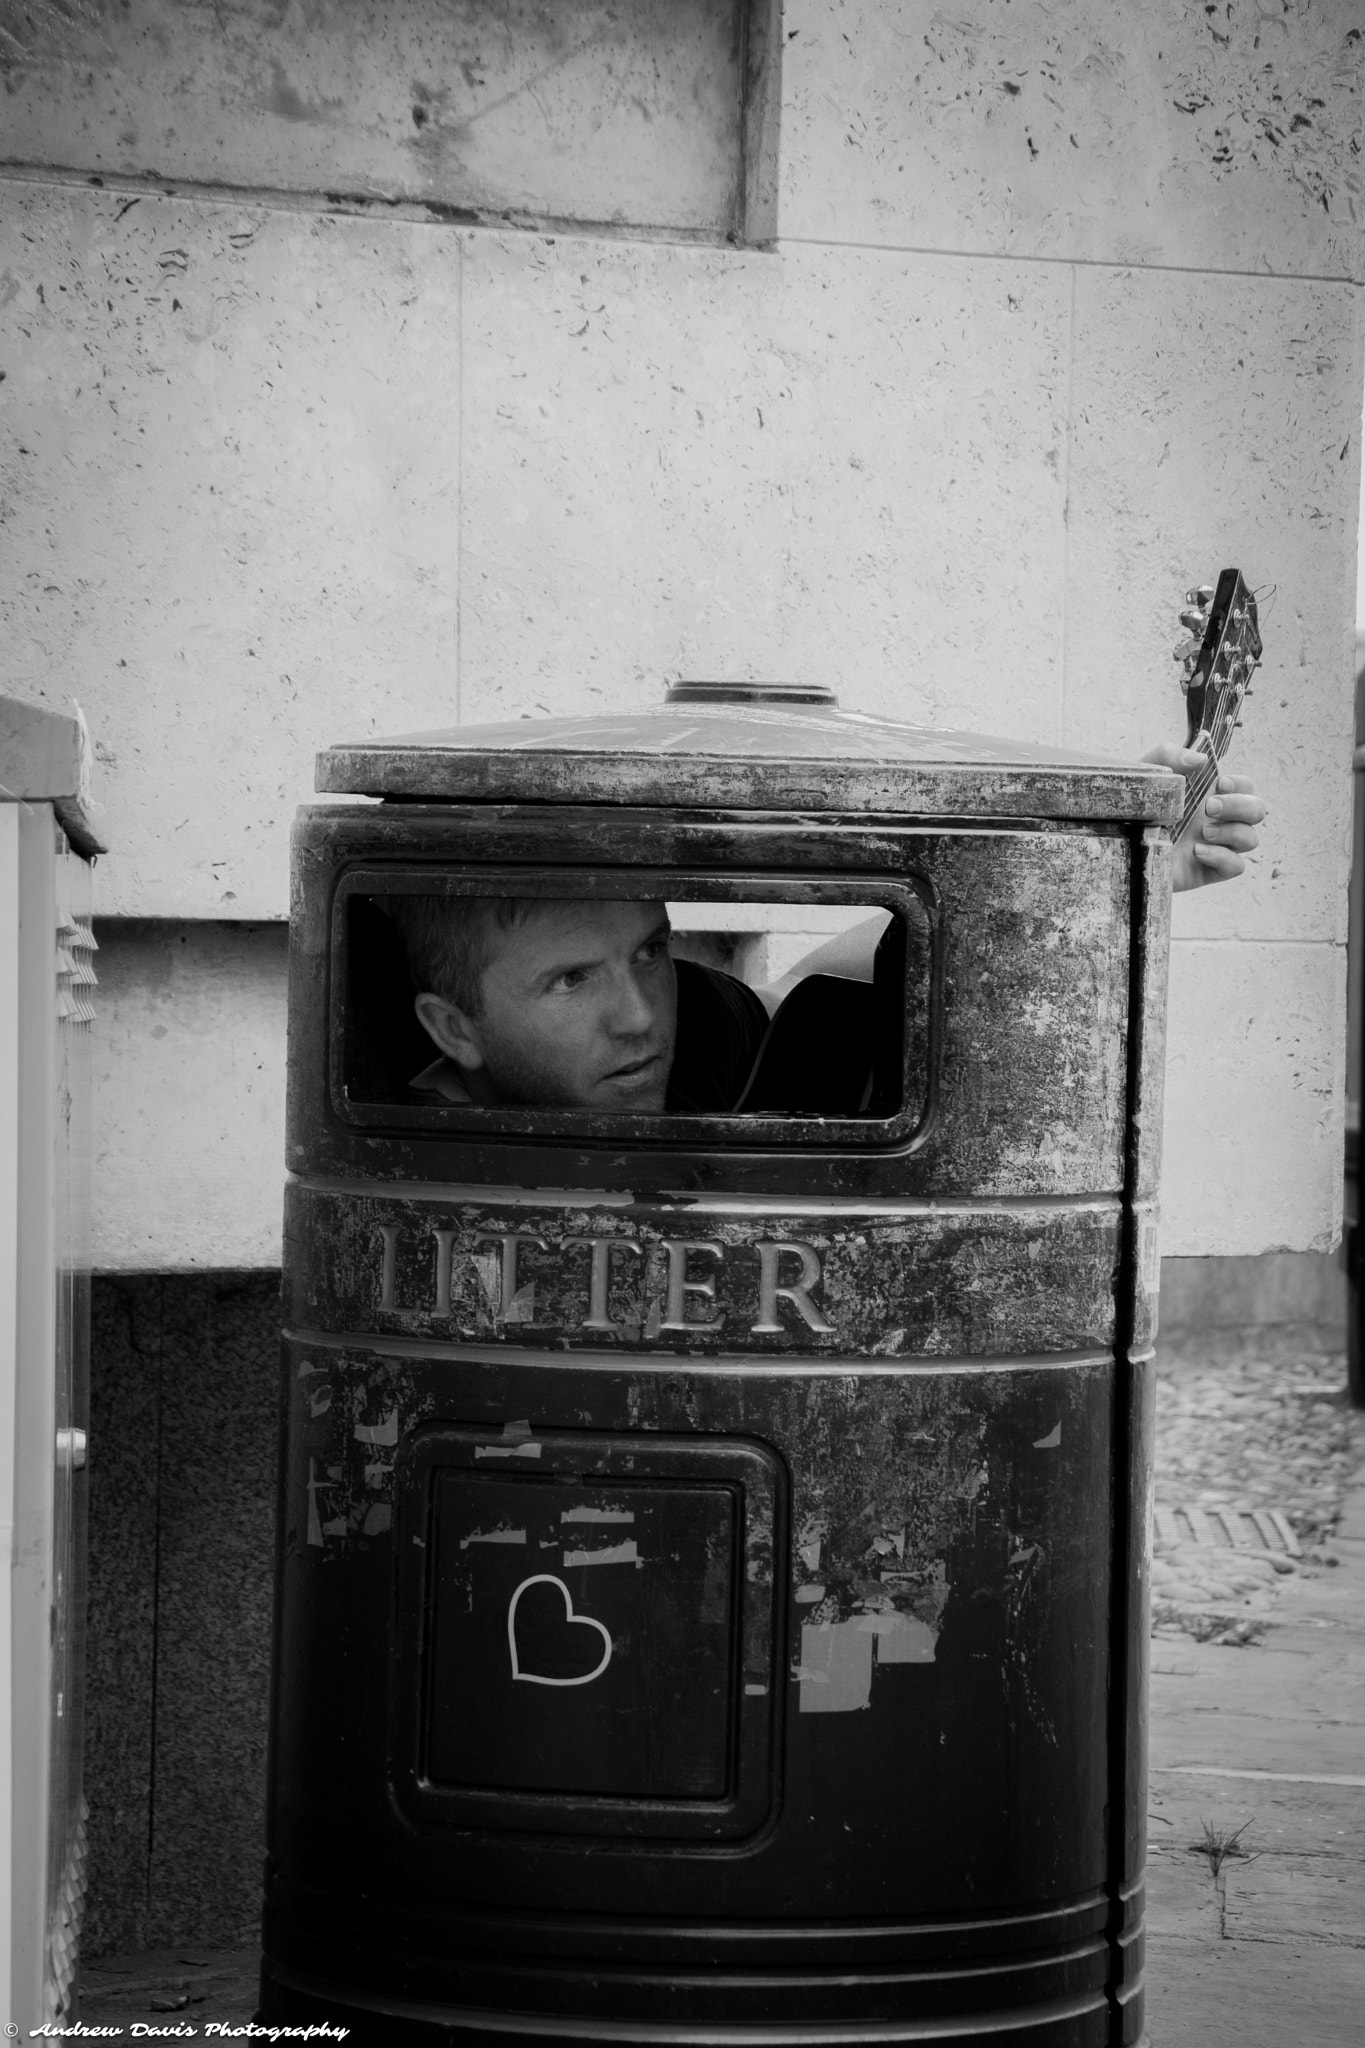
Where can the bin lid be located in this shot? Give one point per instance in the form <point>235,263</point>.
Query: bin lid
<point>750,747</point>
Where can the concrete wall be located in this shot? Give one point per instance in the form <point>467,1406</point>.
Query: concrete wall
<point>182,1434</point>
<point>584,109</point>
<point>1062,313</point>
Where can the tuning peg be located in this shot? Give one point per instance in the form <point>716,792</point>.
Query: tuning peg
<point>1204,595</point>
<point>1185,651</point>
<point>1194,621</point>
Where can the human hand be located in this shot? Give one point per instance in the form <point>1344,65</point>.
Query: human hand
<point>1225,828</point>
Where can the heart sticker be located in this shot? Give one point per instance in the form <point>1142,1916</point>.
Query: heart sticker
<point>571,1619</point>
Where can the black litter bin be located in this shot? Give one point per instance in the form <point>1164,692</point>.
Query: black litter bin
<point>712,1592</point>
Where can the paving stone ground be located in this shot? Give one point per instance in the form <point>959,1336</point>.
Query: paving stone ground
<point>1246,1440</point>
<point>1256,1865</point>
<point>1256,1871</point>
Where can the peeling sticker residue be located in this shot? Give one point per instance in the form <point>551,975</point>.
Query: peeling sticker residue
<point>888,1481</point>
<point>905,1492</point>
<point>611,1553</point>
<point>342,1501</point>
<point>522,1307</point>
<point>488,1267</point>
<point>492,1536</point>
<point>901,1638</point>
<point>517,1442</point>
<point>835,1671</point>
<point>906,1623</point>
<point>1026,1579</point>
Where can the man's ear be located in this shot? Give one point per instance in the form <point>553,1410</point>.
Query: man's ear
<point>447,1026</point>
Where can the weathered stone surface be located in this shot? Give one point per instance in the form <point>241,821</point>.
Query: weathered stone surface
<point>227,491</point>
<point>1203,138</point>
<point>1254,1061</point>
<point>820,464</point>
<point>581,110</point>
<point>1215,421</point>
<point>188,1118</point>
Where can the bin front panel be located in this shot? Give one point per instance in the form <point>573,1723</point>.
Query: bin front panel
<point>915,1596</point>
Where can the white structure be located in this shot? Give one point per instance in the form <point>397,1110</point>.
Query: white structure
<point>46,979</point>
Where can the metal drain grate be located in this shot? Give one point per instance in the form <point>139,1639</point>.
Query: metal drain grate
<point>1227,1528</point>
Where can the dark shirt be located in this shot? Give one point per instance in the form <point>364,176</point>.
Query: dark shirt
<point>721,1028</point>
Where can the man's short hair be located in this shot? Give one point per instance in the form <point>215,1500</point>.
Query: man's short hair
<point>452,939</point>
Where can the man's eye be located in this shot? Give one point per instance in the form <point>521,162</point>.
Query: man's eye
<point>572,977</point>
<point>654,949</point>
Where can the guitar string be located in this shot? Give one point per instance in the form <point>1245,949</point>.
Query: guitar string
<point>1222,728</point>
<point>1219,740</point>
<point>1203,781</point>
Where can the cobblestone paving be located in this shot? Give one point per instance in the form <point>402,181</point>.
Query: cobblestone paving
<point>1245,1434</point>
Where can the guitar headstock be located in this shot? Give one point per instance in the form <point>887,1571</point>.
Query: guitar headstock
<point>1219,663</point>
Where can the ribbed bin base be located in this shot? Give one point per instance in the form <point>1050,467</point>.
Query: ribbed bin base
<point>291,1999</point>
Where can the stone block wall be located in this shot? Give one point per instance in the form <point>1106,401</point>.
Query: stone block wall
<point>182,1528</point>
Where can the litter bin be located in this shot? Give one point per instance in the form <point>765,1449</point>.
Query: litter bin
<point>712,1595</point>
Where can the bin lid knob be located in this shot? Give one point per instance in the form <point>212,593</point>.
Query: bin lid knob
<point>685,692</point>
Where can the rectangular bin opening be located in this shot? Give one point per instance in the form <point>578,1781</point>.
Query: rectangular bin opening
<point>729,1009</point>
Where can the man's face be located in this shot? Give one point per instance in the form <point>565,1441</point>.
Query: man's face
<point>579,1008</point>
